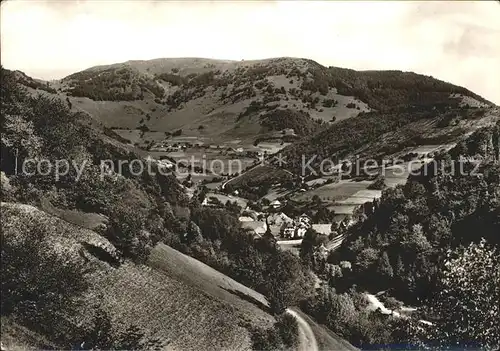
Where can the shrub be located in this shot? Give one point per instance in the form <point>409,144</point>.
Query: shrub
<point>283,335</point>
<point>330,102</point>
<point>378,184</point>
<point>38,283</point>
<point>102,336</point>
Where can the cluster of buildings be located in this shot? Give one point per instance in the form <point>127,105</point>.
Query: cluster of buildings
<point>166,146</point>
<point>171,146</point>
<point>297,228</point>
<point>280,225</point>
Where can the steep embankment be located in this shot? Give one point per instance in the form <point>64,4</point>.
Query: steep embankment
<point>186,303</point>
<point>174,296</point>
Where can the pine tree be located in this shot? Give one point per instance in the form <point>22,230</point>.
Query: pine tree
<point>384,267</point>
<point>400,268</point>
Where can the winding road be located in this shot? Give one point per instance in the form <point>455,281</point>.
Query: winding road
<point>307,340</point>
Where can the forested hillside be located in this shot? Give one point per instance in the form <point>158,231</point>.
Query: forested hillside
<point>377,135</point>
<point>419,240</point>
<point>36,127</point>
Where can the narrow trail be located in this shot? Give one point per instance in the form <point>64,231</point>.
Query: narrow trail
<point>307,340</point>
<point>376,304</point>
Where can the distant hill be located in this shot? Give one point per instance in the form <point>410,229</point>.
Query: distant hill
<point>382,135</point>
<point>245,100</point>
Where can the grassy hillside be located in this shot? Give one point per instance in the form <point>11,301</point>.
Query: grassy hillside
<point>179,300</point>
<point>175,298</point>
<point>245,99</point>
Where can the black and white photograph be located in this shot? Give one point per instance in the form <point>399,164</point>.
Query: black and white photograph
<point>250,175</point>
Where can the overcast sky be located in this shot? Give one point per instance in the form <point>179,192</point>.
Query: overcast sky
<point>455,41</point>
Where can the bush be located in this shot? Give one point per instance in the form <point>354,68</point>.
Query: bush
<point>178,132</point>
<point>102,336</point>
<point>283,335</point>
<point>38,283</point>
<point>378,184</point>
<point>330,102</point>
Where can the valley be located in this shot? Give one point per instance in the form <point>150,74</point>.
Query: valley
<point>235,240</point>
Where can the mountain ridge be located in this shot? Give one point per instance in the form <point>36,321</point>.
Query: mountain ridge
<point>220,99</point>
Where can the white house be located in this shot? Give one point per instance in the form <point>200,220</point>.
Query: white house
<point>275,204</point>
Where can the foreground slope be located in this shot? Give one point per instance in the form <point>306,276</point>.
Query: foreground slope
<point>184,302</point>
<point>174,297</point>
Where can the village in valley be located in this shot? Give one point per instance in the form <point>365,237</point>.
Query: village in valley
<point>281,211</point>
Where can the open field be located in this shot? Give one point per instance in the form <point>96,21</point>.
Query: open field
<point>361,196</point>
<point>224,198</point>
<point>213,186</point>
<point>258,174</point>
<point>276,192</point>
<point>334,191</point>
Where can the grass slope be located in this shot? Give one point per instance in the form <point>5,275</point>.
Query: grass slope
<point>178,298</point>
<point>326,339</point>
<point>181,300</point>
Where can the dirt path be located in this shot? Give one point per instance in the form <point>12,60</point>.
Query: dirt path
<point>375,304</point>
<point>306,336</point>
